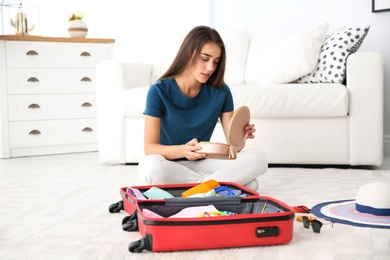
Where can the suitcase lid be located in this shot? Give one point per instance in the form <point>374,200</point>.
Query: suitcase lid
<point>236,132</point>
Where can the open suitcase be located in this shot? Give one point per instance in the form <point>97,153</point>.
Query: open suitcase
<point>257,220</point>
<point>129,201</point>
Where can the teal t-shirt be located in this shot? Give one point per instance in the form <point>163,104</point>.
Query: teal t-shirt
<point>184,118</point>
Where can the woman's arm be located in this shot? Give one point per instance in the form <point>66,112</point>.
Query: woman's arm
<point>225,121</point>
<point>152,143</point>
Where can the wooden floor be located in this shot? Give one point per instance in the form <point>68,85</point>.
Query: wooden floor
<point>16,167</point>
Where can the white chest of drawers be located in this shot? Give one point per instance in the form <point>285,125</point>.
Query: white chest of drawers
<point>47,94</point>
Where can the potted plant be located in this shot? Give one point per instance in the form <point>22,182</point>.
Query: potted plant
<point>77,28</point>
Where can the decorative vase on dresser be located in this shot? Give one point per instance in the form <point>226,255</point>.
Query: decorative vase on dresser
<point>47,94</point>
<point>77,29</point>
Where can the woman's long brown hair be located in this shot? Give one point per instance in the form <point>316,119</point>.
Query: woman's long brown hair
<point>189,52</point>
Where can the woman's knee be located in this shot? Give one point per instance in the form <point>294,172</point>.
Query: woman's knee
<point>149,166</point>
<point>255,155</point>
<point>256,158</point>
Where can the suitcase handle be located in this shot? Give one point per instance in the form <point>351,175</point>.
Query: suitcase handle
<point>220,200</point>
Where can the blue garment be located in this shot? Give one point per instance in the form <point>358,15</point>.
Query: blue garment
<point>184,118</point>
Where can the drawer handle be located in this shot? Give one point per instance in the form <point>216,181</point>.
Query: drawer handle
<point>87,129</point>
<point>86,104</point>
<point>86,79</point>
<point>85,54</point>
<point>32,53</point>
<point>35,132</point>
<point>34,106</point>
<point>33,79</point>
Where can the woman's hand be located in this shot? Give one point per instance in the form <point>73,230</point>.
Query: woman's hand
<point>190,149</point>
<point>250,129</point>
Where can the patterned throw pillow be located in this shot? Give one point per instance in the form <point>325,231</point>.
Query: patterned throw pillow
<point>331,67</point>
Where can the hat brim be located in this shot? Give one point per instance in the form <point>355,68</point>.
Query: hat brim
<point>343,211</point>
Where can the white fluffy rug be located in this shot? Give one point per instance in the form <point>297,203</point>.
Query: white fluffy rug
<point>61,212</point>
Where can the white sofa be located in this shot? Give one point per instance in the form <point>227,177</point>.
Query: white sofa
<point>297,123</point>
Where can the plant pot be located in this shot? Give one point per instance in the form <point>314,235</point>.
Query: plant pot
<point>77,29</point>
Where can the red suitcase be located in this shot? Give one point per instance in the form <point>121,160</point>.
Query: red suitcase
<point>259,220</point>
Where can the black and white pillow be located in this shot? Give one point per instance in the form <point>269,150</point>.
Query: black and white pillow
<point>333,56</point>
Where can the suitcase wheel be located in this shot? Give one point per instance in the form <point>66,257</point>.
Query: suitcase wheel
<point>116,207</point>
<point>139,246</point>
<point>130,223</point>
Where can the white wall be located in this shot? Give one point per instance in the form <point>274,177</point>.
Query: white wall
<point>137,26</point>
<point>141,27</point>
<point>290,16</point>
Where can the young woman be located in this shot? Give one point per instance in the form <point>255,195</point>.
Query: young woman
<point>183,107</point>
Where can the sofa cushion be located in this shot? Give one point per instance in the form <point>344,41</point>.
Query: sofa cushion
<point>331,66</point>
<point>159,68</point>
<point>283,58</point>
<point>293,100</point>
<point>270,100</point>
<point>236,44</point>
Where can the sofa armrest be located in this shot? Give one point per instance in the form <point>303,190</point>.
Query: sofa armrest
<point>365,79</point>
<point>112,79</point>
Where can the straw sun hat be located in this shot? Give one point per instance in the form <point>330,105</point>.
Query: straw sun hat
<point>371,208</point>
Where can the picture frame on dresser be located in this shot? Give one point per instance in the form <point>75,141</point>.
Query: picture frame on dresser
<point>380,6</point>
